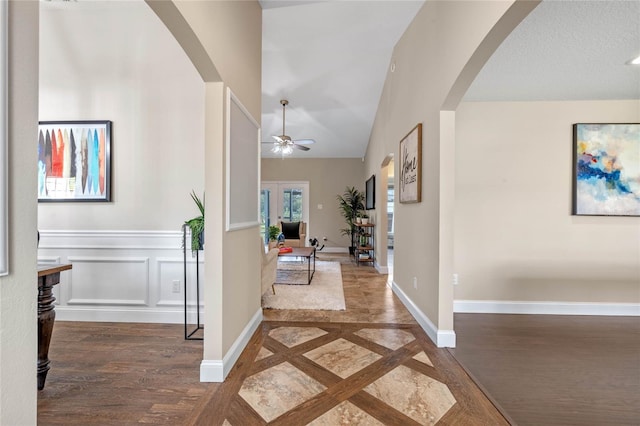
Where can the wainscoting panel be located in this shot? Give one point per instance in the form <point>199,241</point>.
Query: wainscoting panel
<point>120,280</point>
<point>128,276</point>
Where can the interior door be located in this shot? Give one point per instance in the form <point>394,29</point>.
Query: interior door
<point>283,201</point>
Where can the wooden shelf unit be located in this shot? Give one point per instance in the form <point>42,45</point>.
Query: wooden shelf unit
<point>365,253</point>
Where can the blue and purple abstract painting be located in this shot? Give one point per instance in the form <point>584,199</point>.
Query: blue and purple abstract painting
<point>607,169</point>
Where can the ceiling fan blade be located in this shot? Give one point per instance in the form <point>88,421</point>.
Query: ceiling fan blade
<point>304,141</point>
<point>278,139</point>
<point>301,147</point>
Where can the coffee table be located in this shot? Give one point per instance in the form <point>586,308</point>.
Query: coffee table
<point>308,253</point>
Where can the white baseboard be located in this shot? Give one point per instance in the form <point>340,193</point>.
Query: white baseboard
<point>216,370</point>
<point>114,314</point>
<point>381,269</point>
<point>442,338</point>
<point>545,308</point>
<point>333,250</point>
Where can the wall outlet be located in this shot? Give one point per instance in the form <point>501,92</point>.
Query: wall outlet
<point>176,286</point>
<point>455,279</point>
<point>415,283</point>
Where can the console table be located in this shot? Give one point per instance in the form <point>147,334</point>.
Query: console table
<point>48,276</point>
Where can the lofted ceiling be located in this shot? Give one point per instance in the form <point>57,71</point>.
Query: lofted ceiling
<point>330,59</point>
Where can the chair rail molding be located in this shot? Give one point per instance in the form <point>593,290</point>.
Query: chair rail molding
<point>120,276</point>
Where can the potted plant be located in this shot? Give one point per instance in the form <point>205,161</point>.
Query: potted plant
<point>364,219</point>
<point>196,225</point>
<point>351,203</point>
<point>274,231</point>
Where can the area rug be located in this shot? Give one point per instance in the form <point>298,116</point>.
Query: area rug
<point>324,293</point>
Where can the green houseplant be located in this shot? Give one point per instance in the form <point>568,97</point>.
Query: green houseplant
<point>196,225</point>
<point>274,231</point>
<point>351,204</point>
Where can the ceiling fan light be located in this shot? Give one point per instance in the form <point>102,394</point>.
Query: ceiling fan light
<point>282,149</point>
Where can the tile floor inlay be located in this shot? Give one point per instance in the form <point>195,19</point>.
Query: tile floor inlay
<point>342,357</point>
<point>389,338</point>
<point>420,397</point>
<point>423,358</point>
<point>275,391</point>
<point>293,336</point>
<point>264,353</point>
<point>345,414</point>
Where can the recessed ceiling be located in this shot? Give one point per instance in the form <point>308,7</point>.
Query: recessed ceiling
<point>330,58</point>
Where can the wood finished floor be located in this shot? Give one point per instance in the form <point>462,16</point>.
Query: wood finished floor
<point>108,374</point>
<point>555,369</point>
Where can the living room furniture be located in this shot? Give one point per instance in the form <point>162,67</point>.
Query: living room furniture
<point>48,276</point>
<point>364,251</point>
<point>308,253</point>
<point>188,335</point>
<point>269,267</point>
<point>294,233</point>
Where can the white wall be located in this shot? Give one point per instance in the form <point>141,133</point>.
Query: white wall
<point>515,238</point>
<point>18,290</point>
<point>117,61</point>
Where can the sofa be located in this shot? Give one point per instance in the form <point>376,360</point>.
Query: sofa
<point>269,268</point>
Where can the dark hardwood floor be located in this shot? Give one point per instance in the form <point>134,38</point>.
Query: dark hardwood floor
<point>120,374</point>
<point>555,369</point>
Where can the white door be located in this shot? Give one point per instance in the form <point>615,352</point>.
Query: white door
<point>283,201</point>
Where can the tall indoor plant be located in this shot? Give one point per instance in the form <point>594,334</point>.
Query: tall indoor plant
<point>196,225</point>
<point>351,204</point>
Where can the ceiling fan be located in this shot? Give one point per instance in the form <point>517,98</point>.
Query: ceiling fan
<point>283,144</point>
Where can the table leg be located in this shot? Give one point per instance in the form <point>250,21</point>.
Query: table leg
<point>46,317</point>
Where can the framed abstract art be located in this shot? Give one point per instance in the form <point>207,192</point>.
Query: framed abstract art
<point>74,161</point>
<point>606,169</point>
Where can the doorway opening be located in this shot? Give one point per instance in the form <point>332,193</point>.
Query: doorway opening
<point>283,201</point>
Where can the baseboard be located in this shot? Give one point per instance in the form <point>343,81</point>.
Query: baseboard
<point>545,308</point>
<point>217,370</point>
<point>112,314</point>
<point>334,250</point>
<point>442,338</point>
<point>381,269</point>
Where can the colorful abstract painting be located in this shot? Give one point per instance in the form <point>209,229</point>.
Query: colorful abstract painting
<point>74,161</point>
<point>607,169</point>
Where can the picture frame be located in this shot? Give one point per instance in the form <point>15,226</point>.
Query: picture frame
<point>4,140</point>
<point>410,185</point>
<point>606,169</point>
<point>79,168</point>
<point>242,166</point>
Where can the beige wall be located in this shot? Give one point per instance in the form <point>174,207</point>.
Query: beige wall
<point>18,290</point>
<point>231,34</point>
<point>515,238</point>
<point>429,58</point>
<point>328,178</point>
